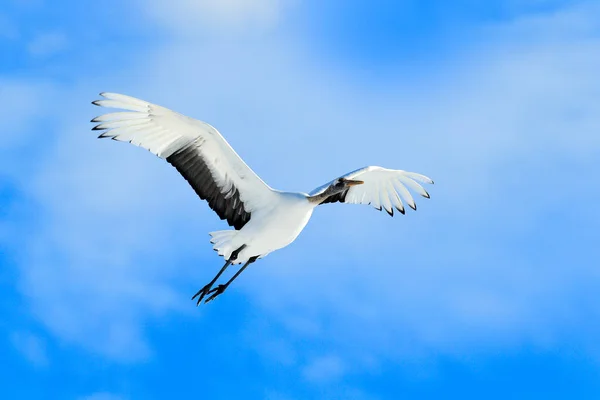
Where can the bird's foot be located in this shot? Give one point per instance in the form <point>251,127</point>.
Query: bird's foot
<point>202,292</point>
<point>215,292</point>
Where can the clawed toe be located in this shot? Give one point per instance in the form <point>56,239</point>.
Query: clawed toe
<point>206,290</point>
<point>202,292</point>
<point>215,292</point>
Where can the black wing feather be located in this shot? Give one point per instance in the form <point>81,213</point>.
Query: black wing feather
<point>341,197</point>
<point>192,167</point>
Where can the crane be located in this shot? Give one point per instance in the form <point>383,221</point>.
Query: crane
<point>263,219</point>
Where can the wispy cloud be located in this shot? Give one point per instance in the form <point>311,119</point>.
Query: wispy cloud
<point>31,347</point>
<point>325,369</point>
<point>121,236</point>
<point>21,104</point>
<point>47,44</point>
<point>226,17</point>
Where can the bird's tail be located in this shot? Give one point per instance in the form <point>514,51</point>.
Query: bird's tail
<point>223,242</point>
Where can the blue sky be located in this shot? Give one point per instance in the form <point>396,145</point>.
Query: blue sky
<point>489,290</point>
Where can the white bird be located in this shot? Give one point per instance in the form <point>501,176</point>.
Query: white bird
<point>264,219</point>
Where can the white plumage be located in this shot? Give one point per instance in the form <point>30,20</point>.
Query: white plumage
<point>264,219</point>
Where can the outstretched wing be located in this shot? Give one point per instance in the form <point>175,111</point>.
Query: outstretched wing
<point>196,149</point>
<point>382,188</point>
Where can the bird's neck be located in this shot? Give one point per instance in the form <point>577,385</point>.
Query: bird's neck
<point>319,198</point>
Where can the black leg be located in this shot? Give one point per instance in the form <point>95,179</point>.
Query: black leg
<point>206,289</point>
<point>221,288</point>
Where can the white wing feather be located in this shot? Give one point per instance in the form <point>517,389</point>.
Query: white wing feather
<point>382,188</point>
<point>165,132</point>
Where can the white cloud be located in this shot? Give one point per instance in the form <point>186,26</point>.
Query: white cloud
<point>495,133</point>
<point>24,110</point>
<point>47,44</point>
<point>224,17</point>
<point>122,236</point>
<point>22,105</point>
<point>95,291</point>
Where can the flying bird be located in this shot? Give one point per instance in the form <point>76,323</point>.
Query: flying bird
<point>264,219</point>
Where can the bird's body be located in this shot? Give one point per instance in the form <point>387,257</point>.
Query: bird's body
<point>270,229</point>
<point>264,219</point>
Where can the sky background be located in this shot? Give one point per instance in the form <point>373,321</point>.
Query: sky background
<point>490,290</point>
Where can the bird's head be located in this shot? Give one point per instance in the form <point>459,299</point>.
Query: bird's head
<point>337,186</point>
<point>341,184</point>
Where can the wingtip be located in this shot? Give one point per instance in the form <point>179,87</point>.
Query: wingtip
<point>106,95</point>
